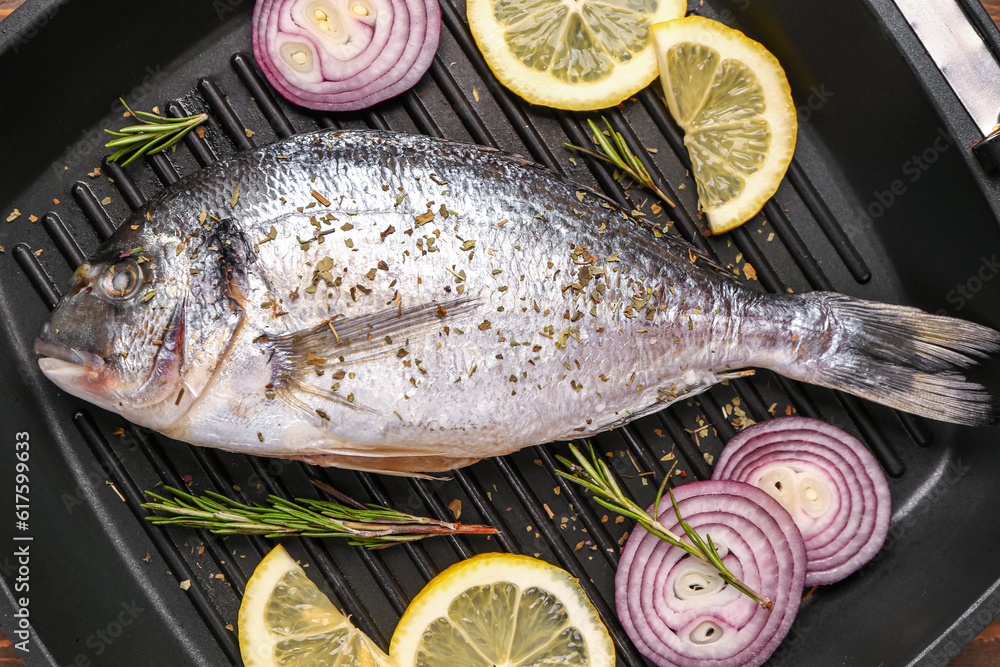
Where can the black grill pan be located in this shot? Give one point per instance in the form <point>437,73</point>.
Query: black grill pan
<point>105,587</point>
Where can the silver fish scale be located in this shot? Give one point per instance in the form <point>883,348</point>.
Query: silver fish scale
<point>560,315</point>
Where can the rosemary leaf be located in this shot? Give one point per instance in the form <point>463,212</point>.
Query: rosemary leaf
<point>370,526</point>
<point>596,476</point>
<point>154,134</point>
<point>620,155</point>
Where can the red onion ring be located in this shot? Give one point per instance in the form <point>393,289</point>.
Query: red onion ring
<point>343,55</point>
<point>831,484</point>
<point>678,612</point>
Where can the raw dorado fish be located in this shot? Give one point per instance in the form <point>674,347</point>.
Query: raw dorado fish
<point>398,303</point>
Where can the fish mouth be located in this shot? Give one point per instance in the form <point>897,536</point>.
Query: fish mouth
<point>58,357</point>
<point>74,371</point>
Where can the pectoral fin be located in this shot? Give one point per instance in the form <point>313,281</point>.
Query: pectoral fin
<point>344,342</point>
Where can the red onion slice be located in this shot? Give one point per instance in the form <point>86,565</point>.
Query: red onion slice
<point>343,55</point>
<point>679,612</point>
<point>828,481</point>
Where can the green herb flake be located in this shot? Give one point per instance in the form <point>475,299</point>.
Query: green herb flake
<point>148,295</point>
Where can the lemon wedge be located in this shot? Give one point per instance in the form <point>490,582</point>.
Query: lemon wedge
<point>286,620</point>
<point>732,99</point>
<point>502,610</point>
<point>570,54</point>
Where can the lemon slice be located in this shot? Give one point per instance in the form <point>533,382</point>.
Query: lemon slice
<point>731,98</point>
<point>570,54</point>
<point>501,610</point>
<point>285,620</point>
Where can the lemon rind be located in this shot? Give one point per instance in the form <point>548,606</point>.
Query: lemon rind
<point>539,88</point>
<point>780,113</point>
<point>432,602</point>
<point>254,636</point>
<point>256,641</point>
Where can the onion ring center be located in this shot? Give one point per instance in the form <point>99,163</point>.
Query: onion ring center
<point>797,491</point>
<point>706,632</point>
<point>697,579</point>
<point>814,496</point>
<point>298,56</point>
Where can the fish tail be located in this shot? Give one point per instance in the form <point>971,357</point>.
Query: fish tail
<point>895,355</point>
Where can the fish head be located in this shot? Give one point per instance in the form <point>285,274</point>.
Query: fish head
<point>144,324</point>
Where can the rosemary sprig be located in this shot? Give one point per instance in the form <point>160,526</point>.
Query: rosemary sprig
<point>621,156</point>
<point>596,476</point>
<point>371,526</point>
<point>153,135</point>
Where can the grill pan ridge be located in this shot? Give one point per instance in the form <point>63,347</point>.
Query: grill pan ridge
<point>105,584</point>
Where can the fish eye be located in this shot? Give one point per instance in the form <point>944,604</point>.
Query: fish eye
<point>122,279</point>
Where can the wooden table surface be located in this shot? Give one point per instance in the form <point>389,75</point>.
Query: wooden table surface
<point>983,652</point>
